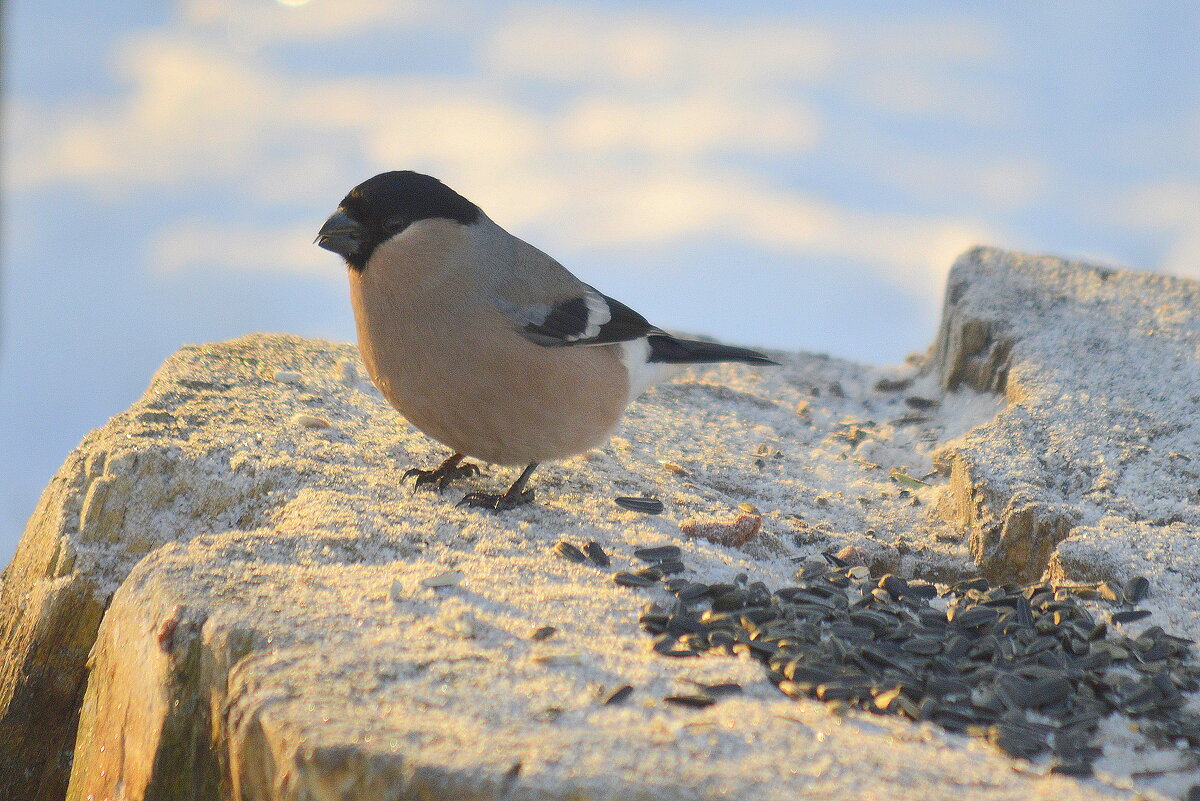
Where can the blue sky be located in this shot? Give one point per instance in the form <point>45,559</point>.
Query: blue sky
<point>771,173</point>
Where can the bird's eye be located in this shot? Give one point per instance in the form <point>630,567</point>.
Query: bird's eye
<point>395,224</point>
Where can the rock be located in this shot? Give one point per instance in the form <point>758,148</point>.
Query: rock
<point>1099,372</point>
<point>155,474</point>
<point>254,595</point>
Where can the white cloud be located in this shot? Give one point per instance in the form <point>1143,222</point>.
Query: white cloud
<point>1163,205</point>
<point>688,126</point>
<point>901,67</point>
<point>662,129</point>
<point>453,125</point>
<point>1173,207</point>
<point>665,203</point>
<point>250,23</point>
<point>648,52</point>
<point>191,114</point>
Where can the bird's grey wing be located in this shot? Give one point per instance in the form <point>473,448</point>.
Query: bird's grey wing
<point>550,307</point>
<point>588,318</point>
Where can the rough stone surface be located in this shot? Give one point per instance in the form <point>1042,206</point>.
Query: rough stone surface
<point>1100,373</point>
<point>266,633</point>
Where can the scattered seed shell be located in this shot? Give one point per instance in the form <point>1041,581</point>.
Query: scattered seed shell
<point>596,554</point>
<point>619,695</point>
<point>544,633</point>
<point>1029,669</point>
<point>558,660</point>
<point>1135,590</point>
<point>892,384</point>
<point>446,579</point>
<point>722,690</point>
<point>309,421</point>
<point>631,580</point>
<point>660,553</point>
<point>569,552</point>
<point>649,506</point>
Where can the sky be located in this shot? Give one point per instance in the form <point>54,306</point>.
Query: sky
<point>771,173</point>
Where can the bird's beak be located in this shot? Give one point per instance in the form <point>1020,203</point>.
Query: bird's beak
<point>340,234</point>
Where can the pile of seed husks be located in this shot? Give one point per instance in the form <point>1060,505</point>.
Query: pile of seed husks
<point>1030,669</point>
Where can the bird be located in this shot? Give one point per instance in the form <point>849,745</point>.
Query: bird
<point>485,343</point>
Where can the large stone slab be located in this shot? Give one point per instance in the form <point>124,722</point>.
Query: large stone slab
<point>1100,373</point>
<point>266,633</point>
<point>155,474</point>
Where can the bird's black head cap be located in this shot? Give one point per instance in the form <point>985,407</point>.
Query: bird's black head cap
<point>383,206</point>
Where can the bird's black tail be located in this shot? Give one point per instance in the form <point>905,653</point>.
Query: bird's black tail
<point>666,348</point>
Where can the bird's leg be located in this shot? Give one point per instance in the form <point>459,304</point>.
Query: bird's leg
<point>515,496</point>
<point>443,475</point>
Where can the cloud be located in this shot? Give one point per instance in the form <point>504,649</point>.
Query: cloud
<point>646,52</point>
<point>661,128</point>
<point>1170,206</point>
<point>190,114</point>
<point>1162,205</point>
<point>900,67</point>
<point>255,23</point>
<point>688,126</point>
<point>669,203</point>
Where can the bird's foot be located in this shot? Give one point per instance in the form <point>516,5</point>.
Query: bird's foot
<point>497,502</point>
<point>443,475</point>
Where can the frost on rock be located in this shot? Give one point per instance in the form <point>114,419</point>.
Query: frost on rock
<point>1099,372</point>
<point>227,591</point>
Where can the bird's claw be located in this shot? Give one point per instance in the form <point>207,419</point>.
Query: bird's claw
<point>442,476</point>
<point>496,502</point>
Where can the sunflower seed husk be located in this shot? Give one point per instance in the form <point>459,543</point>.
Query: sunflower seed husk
<point>544,633</point>
<point>670,645</point>
<point>619,695</point>
<point>569,552</point>
<point>649,506</point>
<point>596,554</point>
<point>446,579</point>
<point>691,591</point>
<point>631,580</point>
<point>660,553</point>
<point>1135,590</point>
<point>721,690</point>
<point>975,617</point>
<point>1030,669</point>
<point>671,566</point>
<point>1077,769</point>
<point>650,573</point>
